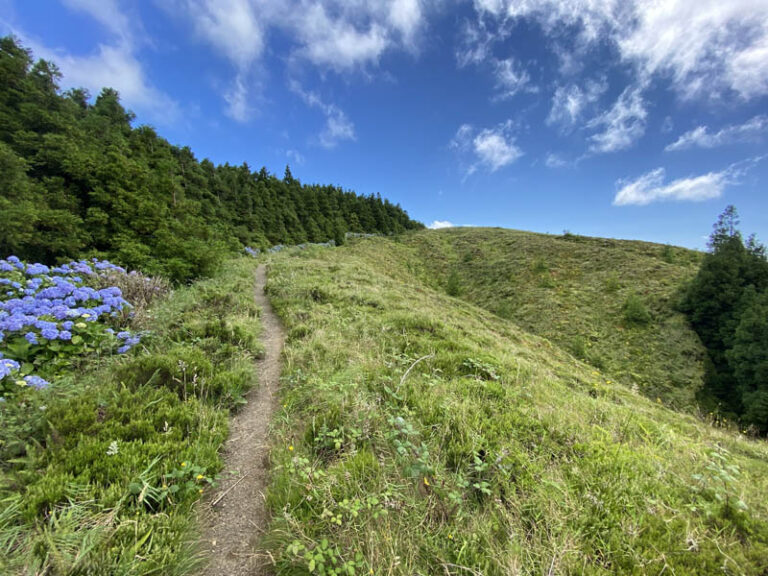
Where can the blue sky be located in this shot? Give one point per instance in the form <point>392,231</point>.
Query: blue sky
<point>617,118</point>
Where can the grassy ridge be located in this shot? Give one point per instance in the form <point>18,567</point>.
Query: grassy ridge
<point>497,454</point>
<point>575,291</point>
<point>108,477</point>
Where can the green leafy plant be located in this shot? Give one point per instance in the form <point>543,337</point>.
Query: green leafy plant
<point>325,559</point>
<point>720,479</point>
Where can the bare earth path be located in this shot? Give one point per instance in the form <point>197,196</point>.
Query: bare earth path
<point>232,527</point>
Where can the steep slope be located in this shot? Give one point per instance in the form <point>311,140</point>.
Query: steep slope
<point>575,292</point>
<point>422,434</point>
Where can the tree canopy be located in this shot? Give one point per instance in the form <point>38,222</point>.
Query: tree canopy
<point>78,179</point>
<point>727,305</point>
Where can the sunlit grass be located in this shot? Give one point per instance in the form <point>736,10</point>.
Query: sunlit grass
<point>500,453</point>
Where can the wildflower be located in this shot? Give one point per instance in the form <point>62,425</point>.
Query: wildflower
<point>183,464</point>
<point>7,366</point>
<point>290,448</point>
<point>450,536</point>
<point>201,490</point>
<point>200,476</point>
<point>426,482</point>
<point>658,400</point>
<point>36,382</point>
<point>50,333</point>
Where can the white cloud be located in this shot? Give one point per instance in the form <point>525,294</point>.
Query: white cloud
<point>493,148</point>
<point>438,224</point>
<point>340,35</point>
<point>700,137</point>
<point>570,102</point>
<point>511,78</point>
<point>553,160</point>
<point>406,16</point>
<point>338,126</point>
<point>623,124</point>
<point>238,104</point>
<point>111,66</point>
<point>476,43</point>
<point>107,13</point>
<point>651,186</point>
<point>230,26</point>
<point>295,156</point>
<point>337,42</point>
<point>705,47</point>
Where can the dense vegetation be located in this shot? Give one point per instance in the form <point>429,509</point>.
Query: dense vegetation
<point>77,179</point>
<point>462,401</point>
<point>610,303</point>
<point>421,434</point>
<point>100,468</point>
<point>727,303</point>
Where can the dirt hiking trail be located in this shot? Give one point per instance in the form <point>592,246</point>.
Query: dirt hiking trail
<point>234,517</point>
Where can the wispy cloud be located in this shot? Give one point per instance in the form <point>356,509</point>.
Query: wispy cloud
<point>652,186</point>
<point>295,156</point>
<point>553,160</point>
<point>511,78</point>
<point>569,103</point>
<point>108,13</point>
<point>700,137</point>
<point>329,34</point>
<point>492,148</point>
<point>622,125</point>
<point>704,47</point>
<point>338,126</point>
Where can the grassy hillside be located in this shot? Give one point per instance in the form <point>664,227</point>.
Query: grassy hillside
<point>99,472</point>
<point>422,434</point>
<point>607,302</point>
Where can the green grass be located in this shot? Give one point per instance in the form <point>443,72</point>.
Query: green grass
<point>100,476</point>
<point>499,453</point>
<point>608,302</point>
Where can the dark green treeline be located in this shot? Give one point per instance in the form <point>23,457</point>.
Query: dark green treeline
<point>727,305</point>
<point>78,179</point>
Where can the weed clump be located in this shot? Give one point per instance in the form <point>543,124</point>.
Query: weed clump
<point>453,284</point>
<point>635,312</point>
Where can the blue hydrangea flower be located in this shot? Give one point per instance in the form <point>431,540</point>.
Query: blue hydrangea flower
<point>36,382</point>
<point>7,366</point>
<point>49,333</point>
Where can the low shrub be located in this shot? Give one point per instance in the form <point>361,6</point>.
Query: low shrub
<point>635,312</point>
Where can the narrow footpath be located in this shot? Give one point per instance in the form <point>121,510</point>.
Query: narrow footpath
<point>234,517</point>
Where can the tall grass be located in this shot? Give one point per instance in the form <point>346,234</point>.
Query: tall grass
<point>423,435</point>
<point>108,483</point>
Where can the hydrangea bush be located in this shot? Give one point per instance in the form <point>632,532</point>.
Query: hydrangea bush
<point>51,316</point>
